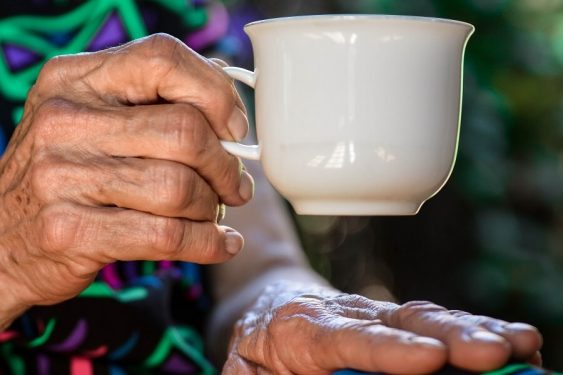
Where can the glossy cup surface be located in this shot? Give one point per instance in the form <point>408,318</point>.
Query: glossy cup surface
<point>358,115</point>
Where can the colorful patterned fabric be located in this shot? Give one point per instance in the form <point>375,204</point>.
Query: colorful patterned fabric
<point>137,316</point>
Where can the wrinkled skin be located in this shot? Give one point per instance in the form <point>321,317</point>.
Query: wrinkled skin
<point>294,329</point>
<point>117,157</point>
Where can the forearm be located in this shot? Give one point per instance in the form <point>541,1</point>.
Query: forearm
<point>229,310</point>
<point>10,306</point>
<point>8,315</point>
<point>272,253</point>
<point>10,309</point>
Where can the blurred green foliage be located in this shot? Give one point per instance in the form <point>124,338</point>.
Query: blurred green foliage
<point>492,241</point>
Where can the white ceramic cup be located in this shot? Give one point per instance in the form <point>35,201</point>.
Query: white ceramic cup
<point>356,114</point>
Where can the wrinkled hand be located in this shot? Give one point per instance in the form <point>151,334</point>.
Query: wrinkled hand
<point>292,331</point>
<point>117,157</point>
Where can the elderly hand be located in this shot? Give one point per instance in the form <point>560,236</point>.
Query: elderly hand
<point>293,330</point>
<point>117,157</point>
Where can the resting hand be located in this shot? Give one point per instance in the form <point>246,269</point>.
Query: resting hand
<point>117,157</point>
<point>292,331</point>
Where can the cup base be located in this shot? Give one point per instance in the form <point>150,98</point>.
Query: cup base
<point>355,208</point>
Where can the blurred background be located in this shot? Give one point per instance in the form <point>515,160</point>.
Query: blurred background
<point>491,242</point>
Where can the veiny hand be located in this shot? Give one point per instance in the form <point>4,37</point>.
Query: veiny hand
<point>292,331</point>
<point>117,157</point>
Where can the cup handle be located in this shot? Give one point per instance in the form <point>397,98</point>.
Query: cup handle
<point>251,152</point>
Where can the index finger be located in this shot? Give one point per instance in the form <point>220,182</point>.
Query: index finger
<point>151,70</point>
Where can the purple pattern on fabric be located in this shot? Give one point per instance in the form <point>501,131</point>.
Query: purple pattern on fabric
<point>172,274</point>
<point>150,19</point>
<point>238,18</point>
<point>130,270</point>
<point>43,364</point>
<point>215,29</point>
<point>110,34</point>
<point>19,57</point>
<point>111,276</point>
<point>230,46</point>
<point>178,365</point>
<point>76,338</point>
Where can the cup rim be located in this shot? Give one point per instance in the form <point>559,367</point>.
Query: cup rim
<point>353,17</point>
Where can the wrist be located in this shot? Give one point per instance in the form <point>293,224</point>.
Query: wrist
<point>289,281</point>
<point>9,309</point>
<point>10,306</point>
<point>9,313</point>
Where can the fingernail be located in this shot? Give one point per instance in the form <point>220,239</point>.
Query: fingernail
<point>519,327</point>
<point>426,341</point>
<point>486,337</point>
<point>238,124</point>
<point>233,241</point>
<point>246,188</point>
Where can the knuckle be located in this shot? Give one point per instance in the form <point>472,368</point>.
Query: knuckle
<point>185,130</point>
<point>50,66</point>
<point>160,51</point>
<point>186,190</point>
<point>50,116</point>
<point>194,137</point>
<point>45,176</point>
<point>353,300</point>
<point>167,236</point>
<point>461,314</point>
<point>180,190</point>
<point>229,176</point>
<point>51,71</point>
<point>39,177</point>
<point>201,200</point>
<point>59,227</point>
<point>296,313</point>
<point>280,326</point>
<point>83,269</point>
<point>414,309</point>
<point>160,41</point>
<point>172,184</point>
